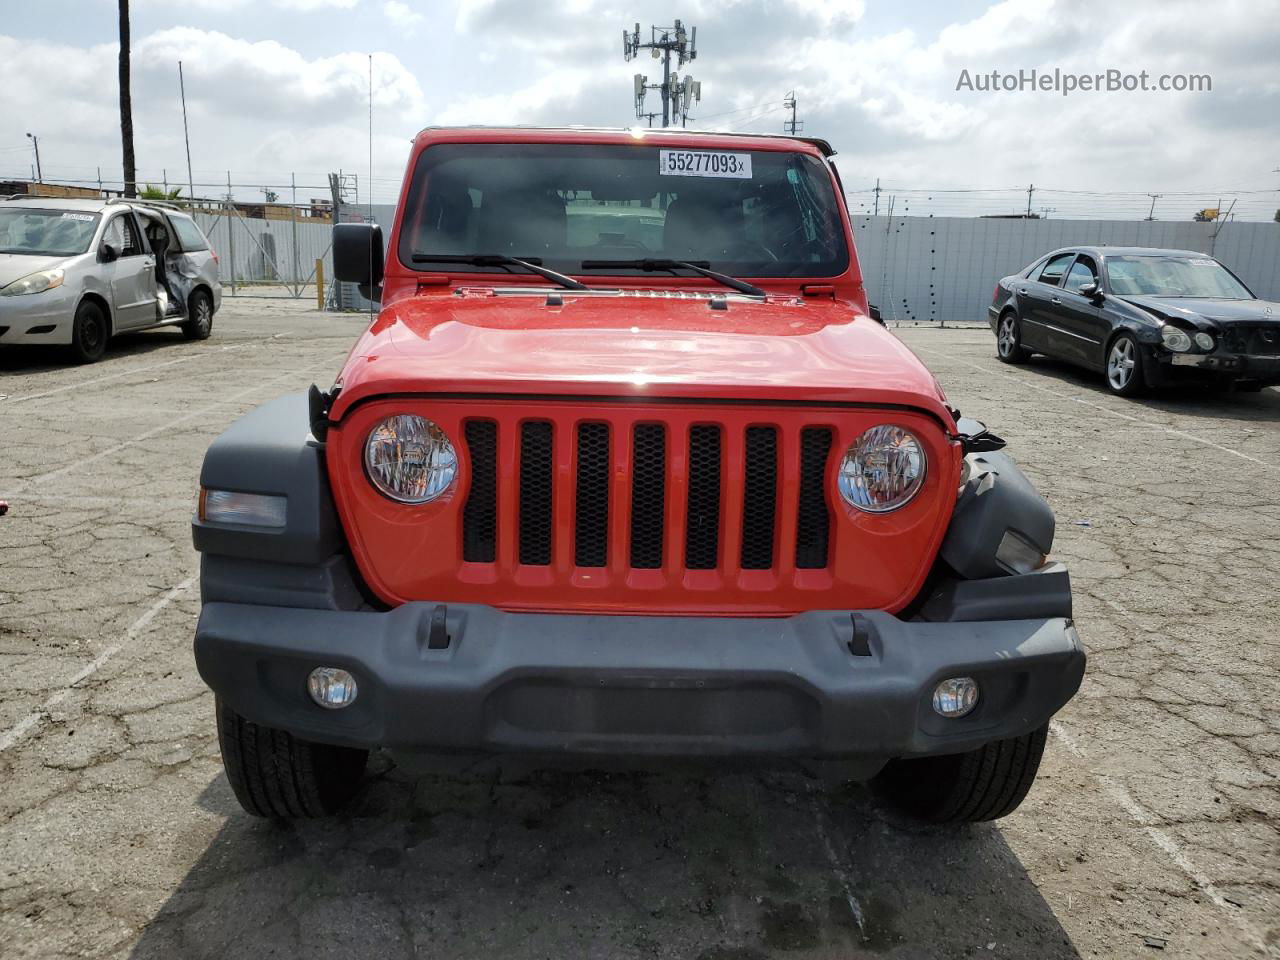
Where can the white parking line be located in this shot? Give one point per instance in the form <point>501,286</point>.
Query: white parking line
<point>837,865</point>
<point>134,370</point>
<point>1167,842</point>
<point>1107,410</point>
<point>37,716</point>
<point>155,431</point>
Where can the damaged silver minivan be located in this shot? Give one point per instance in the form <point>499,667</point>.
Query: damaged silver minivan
<point>77,272</point>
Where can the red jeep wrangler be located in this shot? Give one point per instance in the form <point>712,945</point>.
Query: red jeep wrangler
<point>624,467</point>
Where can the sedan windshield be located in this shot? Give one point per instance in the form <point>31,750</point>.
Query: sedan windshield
<point>1157,276</point>
<point>49,233</point>
<point>752,213</point>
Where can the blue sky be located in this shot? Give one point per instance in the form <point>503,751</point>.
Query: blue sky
<point>280,86</point>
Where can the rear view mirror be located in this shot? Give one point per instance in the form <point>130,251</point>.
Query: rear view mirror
<point>358,256</point>
<point>108,253</point>
<point>1091,290</point>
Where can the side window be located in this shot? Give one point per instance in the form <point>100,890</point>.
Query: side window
<point>1055,268</point>
<point>1082,271</point>
<point>189,234</point>
<point>122,234</point>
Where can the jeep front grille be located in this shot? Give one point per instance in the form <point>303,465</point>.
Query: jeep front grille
<point>717,489</point>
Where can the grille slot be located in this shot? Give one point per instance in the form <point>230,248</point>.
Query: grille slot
<point>535,493</point>
<point>759,498</point>
<point>591,526</point>
<point>813,520</point>
<point>702,529</point>
<point>648,495</point>
<point>480,515</point>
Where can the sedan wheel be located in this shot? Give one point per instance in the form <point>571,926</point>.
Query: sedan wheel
<point>1009,340</point>
<point>1124,366</point>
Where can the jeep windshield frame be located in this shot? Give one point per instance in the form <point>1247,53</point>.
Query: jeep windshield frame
<point>764,213</point>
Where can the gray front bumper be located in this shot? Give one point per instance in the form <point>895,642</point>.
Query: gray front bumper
<point>676,686</point>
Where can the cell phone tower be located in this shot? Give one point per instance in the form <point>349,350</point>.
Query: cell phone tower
<point>678,93</point>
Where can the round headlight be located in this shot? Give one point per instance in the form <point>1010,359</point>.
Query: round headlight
<point>410,459</point>
<point>1175,339</point>
<point>1204,341</point>
<point>882,470</point>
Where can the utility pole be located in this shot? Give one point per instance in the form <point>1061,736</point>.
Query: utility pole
<point>1151,214</point>
<point>1030,190</point>
<point>126,107</point>
<point>792,126</point>
<point>876,211</point>
<point>191,186</point>
<point>35,142</point>
<point>677,94</point>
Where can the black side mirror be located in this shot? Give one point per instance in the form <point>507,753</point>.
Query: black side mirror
<point>358,256</point>
<point>1092,291</point>
<point>108,253</point>
<point>875,313</point>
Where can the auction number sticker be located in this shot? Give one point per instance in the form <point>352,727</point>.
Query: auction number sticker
<point>704,163</point>
<point>82,217</point>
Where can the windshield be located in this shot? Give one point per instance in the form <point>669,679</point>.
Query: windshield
<point>745,213</point>
<point>50,233</point>
<point>1156,276</point>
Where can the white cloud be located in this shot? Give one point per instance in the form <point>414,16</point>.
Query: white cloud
<point>402,15</point>
<point>884,95</point>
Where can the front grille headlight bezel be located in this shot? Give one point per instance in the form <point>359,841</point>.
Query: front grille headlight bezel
<point>410,459</point>
<point>883,470</point>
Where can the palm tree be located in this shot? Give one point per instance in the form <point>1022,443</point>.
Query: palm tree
<point>151,192</point>
<point>126,105</point>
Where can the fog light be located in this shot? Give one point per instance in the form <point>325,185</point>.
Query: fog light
<point>334,689</point>
<point>956,697</point>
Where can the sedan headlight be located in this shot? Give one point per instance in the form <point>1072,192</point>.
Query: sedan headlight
<point>1204,341</point>
<point>409,459</point>
<point>1175,339</point>
<point>33,283</point>
<point>882,470</point>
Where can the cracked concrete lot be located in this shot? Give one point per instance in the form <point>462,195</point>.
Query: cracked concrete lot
<point>1152,831</point>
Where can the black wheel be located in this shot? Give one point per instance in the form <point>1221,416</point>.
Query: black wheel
<point>200,312</point>
<point>1009,346</point>
<point>274,774</point>
<point>1126,376</point>
<point>89,333</point>
<point>983,784</point>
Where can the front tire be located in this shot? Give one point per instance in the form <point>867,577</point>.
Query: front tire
<point>275,774</point>
<point>983,784</point>
<point>89,333</point>
<point>1009,346</point>
<point>200,310</point>
<point>1126,371</point>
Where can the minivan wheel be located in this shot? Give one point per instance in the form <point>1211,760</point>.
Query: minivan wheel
<point>275,774</point>
<point>89,333</point>
<point>983,784</point>
<point>1125,374</point>
<point>200,312</point>
<point>1009,346</point>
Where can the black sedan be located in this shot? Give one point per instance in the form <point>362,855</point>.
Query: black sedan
<point>1143,317</point>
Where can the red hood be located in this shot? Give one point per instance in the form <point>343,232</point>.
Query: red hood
<point>636,345</point>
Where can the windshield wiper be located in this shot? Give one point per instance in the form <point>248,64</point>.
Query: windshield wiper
<point>671,266</point>
<point>532,264</point>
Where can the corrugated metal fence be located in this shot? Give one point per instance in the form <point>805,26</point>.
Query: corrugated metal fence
<point>918,270</point>
<point>943,269</point>
<point>267,257</point>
